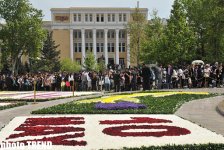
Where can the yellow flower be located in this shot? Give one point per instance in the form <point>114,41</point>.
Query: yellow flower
<point>132,97</point>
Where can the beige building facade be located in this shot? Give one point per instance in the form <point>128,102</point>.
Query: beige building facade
<point>102,31</point>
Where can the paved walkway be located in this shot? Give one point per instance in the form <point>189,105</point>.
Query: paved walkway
<point>203,112</point>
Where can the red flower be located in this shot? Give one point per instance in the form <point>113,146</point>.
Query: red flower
<point>171,131</point>
<point>118,130</point>
<point>52,126</point>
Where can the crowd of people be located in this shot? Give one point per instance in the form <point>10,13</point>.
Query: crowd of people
<point>131,79</point>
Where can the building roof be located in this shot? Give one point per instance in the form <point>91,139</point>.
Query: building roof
<point>98,9</point>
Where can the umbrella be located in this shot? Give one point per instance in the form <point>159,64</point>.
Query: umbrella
<point>195,62</point>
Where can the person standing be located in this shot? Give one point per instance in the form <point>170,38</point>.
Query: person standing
<point>117,80</point>
<point>169,74</point>
<point>146,77</point>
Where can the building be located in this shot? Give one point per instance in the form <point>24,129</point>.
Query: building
<point>99,30</point>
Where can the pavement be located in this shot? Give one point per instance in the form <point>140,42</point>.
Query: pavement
<point>202,112</point>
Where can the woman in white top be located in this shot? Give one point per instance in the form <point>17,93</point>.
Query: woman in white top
<point>174,78</point>
<point>107,82</point>
<point>207,72</point>
<point>89,84</point>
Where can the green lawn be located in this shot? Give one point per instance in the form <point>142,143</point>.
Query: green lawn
<point>159,105</point>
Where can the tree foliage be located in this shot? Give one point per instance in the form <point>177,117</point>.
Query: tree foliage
<point>49,59</point>
<point>69,66</point>
<point>136,30</point>
<point>207,19</point>
<point>180,35</point>
<point>22,34</point>
<point>90,63</point>
<point>153,46</point>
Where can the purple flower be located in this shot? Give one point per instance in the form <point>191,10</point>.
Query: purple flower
<point>119,106</point>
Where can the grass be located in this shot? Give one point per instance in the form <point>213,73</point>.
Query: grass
<point>14,104</point>
<point>159,105</point>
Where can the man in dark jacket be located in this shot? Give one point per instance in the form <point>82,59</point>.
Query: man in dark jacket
<point>146,75</point>
<point>169,74</point>
<point>117,80</point>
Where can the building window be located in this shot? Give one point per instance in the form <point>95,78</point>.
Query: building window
<point>77,18</point>
<point>80,47</point>
<point>112,47</point>
<point>120,17</point>
<point>108,47</point>
<point>111,35</point>
<point>77,34</point>
<point>78,60</point>
<point>102,47</point>
<point>113,17</point>
<point>89,47</point>
<point>97,34</point>
<point>75,47</point>
<point>97,18</point>
<point>89,35</point>
<point>109,17</point>
<point>122,34</point>
<point>121,61</point>
<point>124,17</point>
<point>98,47</point>
<point>101,33</point>
<point>123,47</point>
<point>100,18</point>
<point>86,18</point>
<point>90,17</point>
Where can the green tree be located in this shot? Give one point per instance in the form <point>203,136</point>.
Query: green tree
<point>153,46</point>
<point>180,37</point>
<point>23,33</point>
<point>136,30</point>
<point>90,63</point>
<point>49,60</point>
<point>207,19</point>
<point>101,67</point>
<point>69,66</point>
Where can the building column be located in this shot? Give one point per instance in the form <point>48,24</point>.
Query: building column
<point>117,47</point>
<point>94,43</point>
<point>105,47</point>
<point>83,46</point>
<point>128,51</point>
<point>71,45</point>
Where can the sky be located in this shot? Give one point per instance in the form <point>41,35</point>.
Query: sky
<point>162,6</point>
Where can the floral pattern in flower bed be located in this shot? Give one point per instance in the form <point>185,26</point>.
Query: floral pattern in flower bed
<point>73,132</point>
<point>41,95</point>
<point>132,97</point>
<point>119,106</point>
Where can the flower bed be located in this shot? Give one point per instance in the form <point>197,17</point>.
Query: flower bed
<point>107,131</point>
<point>119,106</point>
<point>29,96</point>
<point>154,105</point>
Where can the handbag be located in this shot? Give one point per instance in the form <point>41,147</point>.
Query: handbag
<point>67,83</point>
